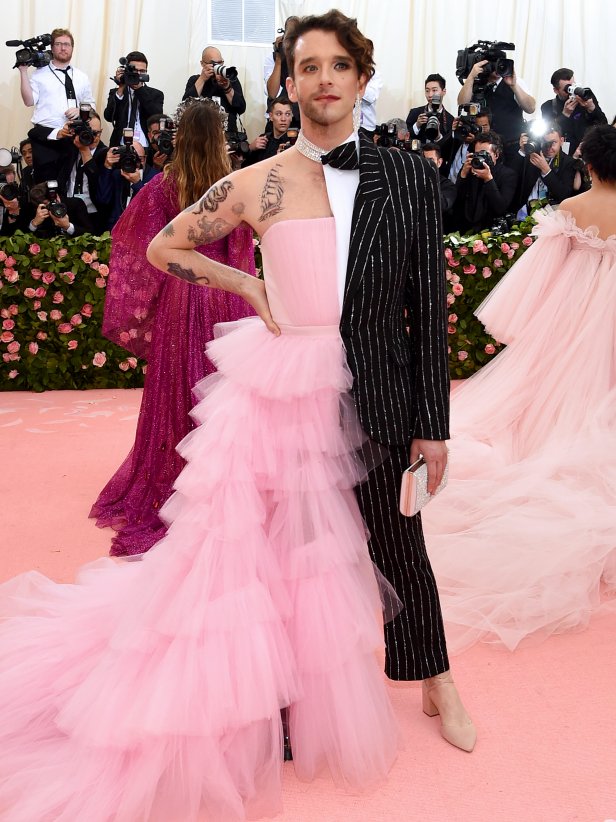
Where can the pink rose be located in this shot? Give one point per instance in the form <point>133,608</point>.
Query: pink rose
<point>13,357</point>
<point>48,277</point>
<point>86,310</point>
<point>13,347</point>
<point>72,345</point>
<point>41,335</point>
<point>34,248</point>
<point>8,325</point>
<point>62,252</point>
<point>36,273</point>
<point>95,265</point>
<point>457,289</point>
<point>489,349</point>
<point>454,263</point>
<point>42,315</point>
<point>124,366</point>
<point>100,282</point>
<point>448,253</point>
<point>462,355</point>
<point>511,253</point>
<point>505,247</point>
<point>515,246</point>
<point>100,358</point>
<point>65,328</point>
<point>450,300</point>
<point>451,329</point>
<point>455,279</point>
<point>6,357</point>
<point>527,241</point>
<point>453,318</point>
<point>449,349</point>
<point>12,276</point>
<point>124,336</point>
<point>69,276</point>
<point>479,247</point>
<point>95,255</point>
<point>76,319</point>
<point>2,256</point>
<point>487,272</point>
<point>14,309</point>
<point>463,251</point>
<point>470,269</point>
<point>33,348</point>
<point>7,337</point>
<point>13,374</point>
<point>448,274</point>
<point>36,305</point>
<point>4,312</point>
<point>55,314</point>
<point>58,297</point>
<point>40,292</point>
<point>87,258</point>
<point>103,269</point>
<point>29,293</point>
<point>132,361</point>
<point>498,263</point>
<point>10,261</point>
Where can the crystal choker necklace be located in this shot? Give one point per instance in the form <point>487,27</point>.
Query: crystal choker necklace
<point>309,149</point>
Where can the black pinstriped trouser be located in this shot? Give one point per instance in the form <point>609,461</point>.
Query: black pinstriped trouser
<point>415,639</point>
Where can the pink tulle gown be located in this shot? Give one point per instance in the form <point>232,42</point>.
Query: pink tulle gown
<point>168,322</point>
<point>523,540</point>
<point>152,690</point>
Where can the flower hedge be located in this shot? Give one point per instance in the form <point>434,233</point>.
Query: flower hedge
<point>52,294</point>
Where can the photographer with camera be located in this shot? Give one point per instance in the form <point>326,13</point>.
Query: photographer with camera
<point>160,128</point>
<point>132,102</point>
<point>465,129</point>
<point>431,123</point>
<point>448,191</point>
<point>121,176</point>
<point>544,171</point>
<point>490,78</point>
<point>276,71</point>
<point>12,212</point>
<point>268,144</point>
<point>575,108</point>
<point>220,82</point>
<point>486,187</point>
<point>53,216</point>
<point>56,91</point>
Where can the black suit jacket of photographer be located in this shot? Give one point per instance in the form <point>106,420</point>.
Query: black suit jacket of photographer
<point>77,215</point>
<point>151,101</point>
<point>478,203</point>
<point>212,89</point>
<point>559,181</point>
<point>573,127</point>
<point>92,170</point>
<point>444,117</point>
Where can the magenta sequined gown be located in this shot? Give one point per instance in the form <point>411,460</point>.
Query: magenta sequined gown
<point>169,323</point>
<point>151,691</point>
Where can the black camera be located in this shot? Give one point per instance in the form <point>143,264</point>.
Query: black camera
<point>33,52</point>
<point>164,138</point>
<point>388,138</point>
<point>432,124</point>
<point>533,145</point>
<point>498,63</point>
<point>228,72</point>
<point>129,159</point>
<point>9,191</point>
<point>131,76</point>
<point>579,91</point>
<point>467,125</point>
<point>55,207</point>
<point>81,127</point>
<point>504,224</point>
<point>237,142</point>
<point>481,159</point>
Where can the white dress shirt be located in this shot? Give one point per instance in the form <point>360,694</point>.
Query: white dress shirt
<point>368,102</point>
<point>138,133</point>
<point>341,189</point>
<point>50,101</point>
<point>458,162</point>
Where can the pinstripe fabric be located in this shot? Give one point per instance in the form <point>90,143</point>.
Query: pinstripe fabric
<point>401,381</point>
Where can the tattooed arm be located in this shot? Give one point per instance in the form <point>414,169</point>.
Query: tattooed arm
<point>214,216</point>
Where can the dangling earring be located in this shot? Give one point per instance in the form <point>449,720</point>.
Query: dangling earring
<point>357,114</point>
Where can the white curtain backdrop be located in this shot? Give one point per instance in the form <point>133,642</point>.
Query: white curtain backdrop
<point>412,39</point>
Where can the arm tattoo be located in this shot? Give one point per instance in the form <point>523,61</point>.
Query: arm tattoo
<point>169,230</point>
<point>212,198</point>
<point>187,274</point>
<point>271,196</point>
<point>207,231</point>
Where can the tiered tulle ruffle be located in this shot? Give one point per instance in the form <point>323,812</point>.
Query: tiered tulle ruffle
<point>152,690</point>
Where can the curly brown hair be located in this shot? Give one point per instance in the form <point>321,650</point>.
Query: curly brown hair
<point>345,28</point>
<point>200,156</point>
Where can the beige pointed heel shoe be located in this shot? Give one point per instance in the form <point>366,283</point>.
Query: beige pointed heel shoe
<point>440,696</point>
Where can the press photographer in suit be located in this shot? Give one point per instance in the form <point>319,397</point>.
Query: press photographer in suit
<point>431,123</point>
<point>132,102</point>
<point>544,170</point>
<point>218,80</point>
<point>574,108</point>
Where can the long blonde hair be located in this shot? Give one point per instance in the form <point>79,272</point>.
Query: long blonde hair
<point>200,156</point>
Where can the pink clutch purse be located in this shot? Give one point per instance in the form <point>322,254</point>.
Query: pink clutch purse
<point>414,487</point>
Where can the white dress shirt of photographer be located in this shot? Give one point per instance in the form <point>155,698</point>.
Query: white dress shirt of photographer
<point>46,88</point>
<point>368,101</point>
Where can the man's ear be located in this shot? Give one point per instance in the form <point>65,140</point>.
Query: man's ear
<point>363,82</point>
<point>291,90</point>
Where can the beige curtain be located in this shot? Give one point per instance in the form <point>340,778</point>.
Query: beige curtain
<point>412,39</point>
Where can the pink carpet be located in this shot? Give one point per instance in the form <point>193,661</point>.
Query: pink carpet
<point>546,716</point>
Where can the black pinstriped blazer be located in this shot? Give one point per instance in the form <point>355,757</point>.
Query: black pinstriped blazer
<point>401,381</point>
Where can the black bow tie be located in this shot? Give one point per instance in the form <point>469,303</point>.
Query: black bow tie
<point>344,157</point>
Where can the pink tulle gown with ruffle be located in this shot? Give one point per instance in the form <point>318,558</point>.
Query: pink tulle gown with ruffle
<point>523,540</point>
<point>152,690</point>
<point>168,322</point>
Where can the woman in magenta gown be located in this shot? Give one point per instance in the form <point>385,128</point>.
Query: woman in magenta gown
<point>168,322</point>
<point>523,540</point>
